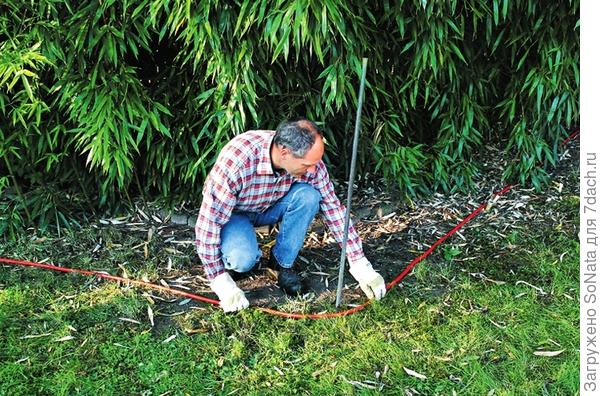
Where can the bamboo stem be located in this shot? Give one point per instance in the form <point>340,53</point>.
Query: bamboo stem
<point>139,186</point>
<point>18,188</point>
<point>57,222</point>
<point>82,186</point>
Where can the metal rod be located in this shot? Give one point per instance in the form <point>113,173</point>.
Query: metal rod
<point>361,91</point>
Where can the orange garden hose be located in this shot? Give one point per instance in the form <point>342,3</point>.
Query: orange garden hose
<point>275,312</point>
<point>197,297</point>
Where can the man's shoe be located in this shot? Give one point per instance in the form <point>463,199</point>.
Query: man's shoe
<point>289,281</point>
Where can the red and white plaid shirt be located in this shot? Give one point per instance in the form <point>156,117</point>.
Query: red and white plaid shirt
<point>243,179</point>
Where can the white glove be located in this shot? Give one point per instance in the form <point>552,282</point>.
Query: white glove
<point>231,297</point>
<point>369,280</point>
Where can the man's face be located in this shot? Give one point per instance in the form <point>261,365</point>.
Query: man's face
<point>298,167</point>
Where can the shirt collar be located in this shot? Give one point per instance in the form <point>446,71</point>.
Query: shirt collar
<point>265,166</point>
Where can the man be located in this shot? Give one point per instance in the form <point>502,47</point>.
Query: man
<point>268,177</point>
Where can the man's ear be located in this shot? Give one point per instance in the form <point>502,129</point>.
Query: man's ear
<point>284,152</point>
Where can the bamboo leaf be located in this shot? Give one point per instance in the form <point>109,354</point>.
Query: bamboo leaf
<point>27,87</point>
<point>552,109</point>
<point>540,93</point>
<point>496,12</point>
<point>454,27</point>
<point>456,50</point>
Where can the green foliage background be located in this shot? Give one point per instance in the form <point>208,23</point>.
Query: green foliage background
<point>103,99</point>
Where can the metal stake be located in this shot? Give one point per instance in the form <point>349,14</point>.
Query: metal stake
<point>361,91</point>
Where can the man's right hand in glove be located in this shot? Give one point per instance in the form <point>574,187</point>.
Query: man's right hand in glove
<point>231,297</point>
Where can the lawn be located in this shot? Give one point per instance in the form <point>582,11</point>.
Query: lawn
<point>503,321</point>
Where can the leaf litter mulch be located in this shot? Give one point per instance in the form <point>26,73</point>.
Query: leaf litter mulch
<point>394,232</point>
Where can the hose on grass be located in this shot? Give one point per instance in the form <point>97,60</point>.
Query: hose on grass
<point>323,315</point>
<point>207,300</point>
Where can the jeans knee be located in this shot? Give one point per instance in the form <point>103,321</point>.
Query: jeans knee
<point>307,197</point>
<point>240,260</point>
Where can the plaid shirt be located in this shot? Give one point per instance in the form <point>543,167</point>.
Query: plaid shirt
<point>243,180</point>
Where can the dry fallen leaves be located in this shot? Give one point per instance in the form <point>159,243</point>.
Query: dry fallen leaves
<point>35,336</point>
<point>548,353</point>
<point>65,338</point>
<point>414,373</point>
<point>151,315</point>
<point>169,339</point>
<point>129,320</point>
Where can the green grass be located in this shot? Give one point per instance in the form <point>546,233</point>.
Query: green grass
<point>465,334</point>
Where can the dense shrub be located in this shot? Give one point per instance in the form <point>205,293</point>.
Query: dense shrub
<point>102,99</point>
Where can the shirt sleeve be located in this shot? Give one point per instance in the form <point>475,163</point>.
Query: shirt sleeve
<point>219,197</point>
<point>334,213</point>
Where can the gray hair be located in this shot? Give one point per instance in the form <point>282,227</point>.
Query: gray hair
<point>297,135</point>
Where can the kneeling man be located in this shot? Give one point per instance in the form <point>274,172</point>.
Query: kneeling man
<point>263,178</point>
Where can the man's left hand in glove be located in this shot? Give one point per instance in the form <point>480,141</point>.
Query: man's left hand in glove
<point>371,283</point>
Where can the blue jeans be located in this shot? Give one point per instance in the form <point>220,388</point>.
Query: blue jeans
<point>294,211</point>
